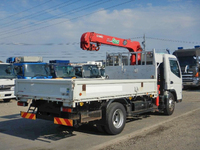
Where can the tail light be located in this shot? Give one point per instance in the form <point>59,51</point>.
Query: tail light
<point>19,103</point>
<point>66,109</point>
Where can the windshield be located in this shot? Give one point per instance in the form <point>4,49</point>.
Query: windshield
<point>6,71</point>
<point>187,60</point>
<point>35,70</point>
<point>92,69</point>
<point>64,71</point>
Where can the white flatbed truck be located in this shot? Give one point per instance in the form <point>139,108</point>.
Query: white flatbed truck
<point>153,84</point>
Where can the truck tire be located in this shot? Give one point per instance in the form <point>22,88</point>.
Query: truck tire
<point>115,118</point>
<point>6,100</point>
<point>101,128</point>
<point>169,105</point>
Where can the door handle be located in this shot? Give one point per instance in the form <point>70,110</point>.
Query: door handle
<point>171,82</point>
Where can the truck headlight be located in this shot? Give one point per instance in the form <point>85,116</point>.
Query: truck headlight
<point>12,88</point>
<point>195,80</point>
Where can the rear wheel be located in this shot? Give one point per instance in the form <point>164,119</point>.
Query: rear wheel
<point>169,105</point>
<point>115,118</point>
<point>101,128</point>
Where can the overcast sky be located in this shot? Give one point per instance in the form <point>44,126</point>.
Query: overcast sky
<point>52,28</point>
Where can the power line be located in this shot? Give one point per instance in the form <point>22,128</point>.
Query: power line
<point>72,18</point>
<point>42,44</point>
<point>170,40</point>
<point>25,10</point>
<point>81,8</point>
<point>74,43</point>
<point>42,12</point>
<point>139,37</point>
<point>167,40</point>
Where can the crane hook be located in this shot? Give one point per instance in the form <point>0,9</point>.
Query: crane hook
<point>98,46</point>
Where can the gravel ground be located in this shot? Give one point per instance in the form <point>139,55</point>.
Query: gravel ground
<point>181,133</point>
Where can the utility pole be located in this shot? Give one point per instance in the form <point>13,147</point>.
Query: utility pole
<point>143,43</point>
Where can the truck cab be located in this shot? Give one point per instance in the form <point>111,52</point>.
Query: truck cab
<point>61,69</point>
<point>189,60</point>
<point>7,80</point>
<point>30,67</point>
<point>168,74</point>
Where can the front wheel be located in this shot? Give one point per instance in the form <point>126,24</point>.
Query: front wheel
<point>6,100</point>
<point>115,118</point>
<point>169,105</point>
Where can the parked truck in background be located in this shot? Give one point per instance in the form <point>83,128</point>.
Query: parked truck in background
<point>101,67</point>
<point>61,69</point>
<point>189,60</point>
<point>89,69</point>
<point>30,67</point>
<point>138,82</point>
<point>7,82</point>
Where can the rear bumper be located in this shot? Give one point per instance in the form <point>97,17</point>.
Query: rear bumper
<point>62,121</point>
<point>71,120</point>
<point>57,120</point>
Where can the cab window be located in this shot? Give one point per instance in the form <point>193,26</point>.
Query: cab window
<point>174,67</point>
<point>18,70</point>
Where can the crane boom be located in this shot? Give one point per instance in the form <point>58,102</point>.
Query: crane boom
<point>89,38</point>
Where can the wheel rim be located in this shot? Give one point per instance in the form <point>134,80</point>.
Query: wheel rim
<point>118,118</point>
<point>171,104</point>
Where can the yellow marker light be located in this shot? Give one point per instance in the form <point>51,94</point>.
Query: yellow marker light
<point>81,103</point>
<point>130,98</point>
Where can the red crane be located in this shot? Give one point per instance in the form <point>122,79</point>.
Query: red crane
<point>89,38</point>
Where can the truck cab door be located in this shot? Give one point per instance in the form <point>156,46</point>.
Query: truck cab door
<point>173,76</point>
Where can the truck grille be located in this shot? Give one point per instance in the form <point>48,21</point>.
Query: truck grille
<point>187,77</point>
<point>187,80</point>
<point>3,87</point>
